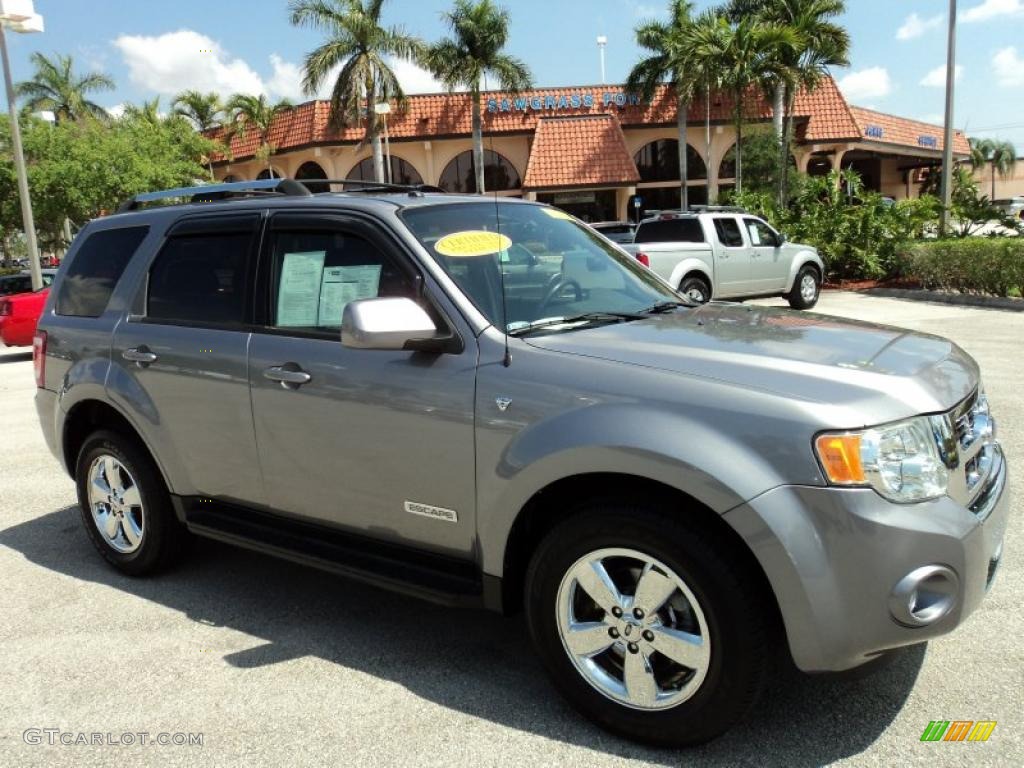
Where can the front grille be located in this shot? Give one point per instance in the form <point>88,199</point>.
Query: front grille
<point>977,453</point>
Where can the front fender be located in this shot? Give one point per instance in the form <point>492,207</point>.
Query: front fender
<point>621,438</point>
<point>805,255</point>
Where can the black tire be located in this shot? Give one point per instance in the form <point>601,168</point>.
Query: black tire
<point>795,296</point>
<point>696,289</point>
<point>742,630</point>
<point>163,537</point>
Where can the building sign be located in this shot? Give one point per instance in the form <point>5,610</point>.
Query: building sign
<point>874,132</point>
<point>928,141</point>
<point>557,102</point>
<point>568,198</point>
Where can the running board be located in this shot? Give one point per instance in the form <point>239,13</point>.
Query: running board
<point>427,575</point>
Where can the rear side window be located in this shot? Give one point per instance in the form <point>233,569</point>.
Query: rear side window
<point>91,276</point>
<point>615,229</point>
<point>670,231</point>
<point>200,279</point>
<point>729,233</point>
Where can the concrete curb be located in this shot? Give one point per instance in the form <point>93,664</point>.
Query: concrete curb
<point>961,299</point>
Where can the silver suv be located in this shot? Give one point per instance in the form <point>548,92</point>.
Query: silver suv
<point>486,403</point>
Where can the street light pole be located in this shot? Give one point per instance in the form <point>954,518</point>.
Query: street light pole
<point>19,165</point>
<point>602,41</point>
<point>947,148</point>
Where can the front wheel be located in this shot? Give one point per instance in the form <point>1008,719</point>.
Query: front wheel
<point>696,289</point>
<point>806,288</point>
<point>648,627</point>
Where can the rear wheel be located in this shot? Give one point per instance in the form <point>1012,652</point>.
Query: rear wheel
<point>125,505</point>
<point>647,627</point>
<point>696,289</point>
<point>806,288</point>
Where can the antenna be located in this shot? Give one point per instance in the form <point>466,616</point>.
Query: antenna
<point>507,359</point>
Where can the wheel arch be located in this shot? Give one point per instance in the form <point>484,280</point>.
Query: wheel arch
<point>801,260</point>
<point>689,268</point>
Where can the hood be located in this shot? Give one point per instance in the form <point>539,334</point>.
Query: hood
<point>883,372</point>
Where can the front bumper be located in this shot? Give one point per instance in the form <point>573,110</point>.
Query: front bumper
<point>833,557</point>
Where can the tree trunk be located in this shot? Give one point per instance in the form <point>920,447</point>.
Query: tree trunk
<point>779,114</point>
<point>778,109</point>
<point>993,181</point>
<point>478,143</point>
<point>707,141</point>
<point>682,113</point>
<point>787,137</point>
<point>373,132</point>
<point>739,142</point>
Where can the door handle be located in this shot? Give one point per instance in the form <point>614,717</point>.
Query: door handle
<point>290,375</point>
<point>139,355</point>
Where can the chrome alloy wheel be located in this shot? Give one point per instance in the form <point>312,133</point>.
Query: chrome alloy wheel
<point>633,629</point>
<point>696,294</point>
<point>808,288</point>
<point>116,504</point>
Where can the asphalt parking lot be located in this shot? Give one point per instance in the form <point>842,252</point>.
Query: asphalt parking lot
<point>277,664</point>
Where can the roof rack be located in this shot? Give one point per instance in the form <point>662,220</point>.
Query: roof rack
<point>206,193</point>
<point>717,209</point>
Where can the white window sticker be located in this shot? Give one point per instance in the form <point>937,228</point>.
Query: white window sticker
<point>298,295</point>
<point>341,285</point>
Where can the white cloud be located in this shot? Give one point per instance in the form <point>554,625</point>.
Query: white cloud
<point>870,83</point>
<point>117,110</point>
<point>286,80</point>
<point>182,60</point>
<point>645,11</point>
<point>935,118</point>
<point>936,78</point>
<point>990,9</point>
<point>1009,67</point>
<point>915,26</point>
<point>414,79</point>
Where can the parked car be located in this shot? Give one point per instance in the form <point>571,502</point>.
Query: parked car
<point>727,255</point>
<point>19,314</point>
<point>674,494</point>
<point>22,282</point>
<point>1012,207</point>
<point>616,231</point>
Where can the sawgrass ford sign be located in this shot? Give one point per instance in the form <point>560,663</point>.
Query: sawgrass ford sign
<point>557,102</point>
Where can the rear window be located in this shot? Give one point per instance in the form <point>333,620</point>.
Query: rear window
<point>92,274</point>
<point>729,233</point>
<point>15,284</point>
<point>614,229</point>
<point>670,231</point>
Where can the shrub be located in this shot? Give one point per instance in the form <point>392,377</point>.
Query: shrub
<point>972,265</point>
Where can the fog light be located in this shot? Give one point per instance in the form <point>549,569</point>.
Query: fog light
<point>924,595</point>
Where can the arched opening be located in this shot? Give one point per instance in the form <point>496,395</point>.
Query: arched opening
<point>460,174</point>
<point>819,166</point>
<point>311,170</point>
<point>402,171</point>
<point>229,179</point>
<point>266,174</point>
<point>659,161</point>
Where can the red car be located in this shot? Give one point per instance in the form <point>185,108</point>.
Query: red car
<point>18,317</point>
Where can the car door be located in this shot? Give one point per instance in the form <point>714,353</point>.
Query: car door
<point>376,442</point>
<point>179,360</point>
<point>732,258</point>
<point>769,266</point>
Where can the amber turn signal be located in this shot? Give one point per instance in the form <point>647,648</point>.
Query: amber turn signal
<point>840,458</point>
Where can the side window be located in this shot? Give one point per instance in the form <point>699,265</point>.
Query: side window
<point>761,235</point>
<point>200,279</point>
<point>95,269</point>
<point>728,232</point>
<point>315,274</point>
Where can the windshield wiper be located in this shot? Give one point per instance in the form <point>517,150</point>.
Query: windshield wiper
<point>583,317</point>
<point>665,306</point>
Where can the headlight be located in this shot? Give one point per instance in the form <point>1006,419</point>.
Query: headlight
<point>901,461</point>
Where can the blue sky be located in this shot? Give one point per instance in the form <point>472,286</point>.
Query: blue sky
<point>161,47</point>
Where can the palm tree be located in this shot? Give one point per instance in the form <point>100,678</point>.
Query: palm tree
<point>748,54</point>
<point>147,112</point>
<point>671,60</point>
<point>259,114</point>
<point>480,31</point>
<point>1001,155</point>
<point>203,110</point>
<point>55,88</point>
<point>705,34</point>
<point>820,44</point>
<point>357,43</point>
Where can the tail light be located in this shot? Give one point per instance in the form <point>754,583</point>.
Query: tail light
<point>5,309</point>
<point>644,259</point>
<point>39,357</point>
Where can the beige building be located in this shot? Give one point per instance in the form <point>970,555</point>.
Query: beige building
<point>597,151</point>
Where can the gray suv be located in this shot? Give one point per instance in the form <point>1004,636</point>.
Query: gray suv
<point>483,402</point>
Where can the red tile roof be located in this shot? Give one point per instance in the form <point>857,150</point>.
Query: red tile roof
<point>890,129</point>
<point>574,151</point>
<point>822,115</point>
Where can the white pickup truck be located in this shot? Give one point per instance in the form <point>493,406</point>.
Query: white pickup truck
<point>727,255</point>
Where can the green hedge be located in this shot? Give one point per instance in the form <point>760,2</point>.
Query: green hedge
<point>992,266</point>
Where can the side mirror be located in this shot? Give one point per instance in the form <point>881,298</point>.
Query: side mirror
<point>385,323</point>
<point>780,238</point>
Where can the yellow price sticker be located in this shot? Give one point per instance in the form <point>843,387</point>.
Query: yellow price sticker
<point>556,213</point>
<point>474,242</point>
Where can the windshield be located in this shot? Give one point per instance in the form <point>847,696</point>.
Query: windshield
<point>551,266</point>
